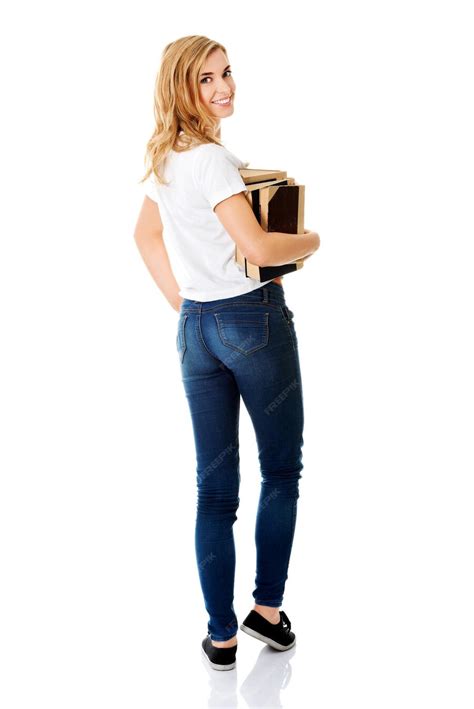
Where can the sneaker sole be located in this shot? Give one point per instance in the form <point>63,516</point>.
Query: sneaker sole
<point>218,667</point>
<point>264,639</point>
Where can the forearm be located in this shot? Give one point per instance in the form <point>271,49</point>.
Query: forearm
<point>153,251</point>
<point>277,248</point>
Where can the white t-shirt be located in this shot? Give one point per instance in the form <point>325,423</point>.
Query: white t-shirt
<point>201,251</point>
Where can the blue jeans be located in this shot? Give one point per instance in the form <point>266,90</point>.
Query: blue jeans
<point>245,346</point>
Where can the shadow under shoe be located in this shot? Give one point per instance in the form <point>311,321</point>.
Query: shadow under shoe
<point>279,635</point>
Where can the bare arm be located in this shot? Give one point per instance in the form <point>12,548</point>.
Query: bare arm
<point>149,239</point>
<point>258,246</point>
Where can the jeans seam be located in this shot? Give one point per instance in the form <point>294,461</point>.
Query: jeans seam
<point>268,304</point>
<point>201,338</point>
<point>181,337</point>
<point>289,326</point>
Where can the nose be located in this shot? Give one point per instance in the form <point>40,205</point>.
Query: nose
<point>223,89</point>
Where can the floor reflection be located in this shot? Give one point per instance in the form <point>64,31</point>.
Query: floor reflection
<point>261,688</point>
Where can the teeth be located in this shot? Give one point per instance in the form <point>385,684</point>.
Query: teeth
<point>223,101</point>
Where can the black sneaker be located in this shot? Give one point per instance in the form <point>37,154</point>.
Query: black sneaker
<point>220,658</point>
<point>278,636</point>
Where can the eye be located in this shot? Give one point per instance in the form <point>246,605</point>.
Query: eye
<point>229,71</point>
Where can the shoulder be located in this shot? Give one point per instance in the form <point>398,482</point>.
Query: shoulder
<point>216,173</point>
<point>209,156</point>
<point>209,151</point>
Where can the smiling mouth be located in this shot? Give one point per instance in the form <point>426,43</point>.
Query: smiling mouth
<point>223,102</point>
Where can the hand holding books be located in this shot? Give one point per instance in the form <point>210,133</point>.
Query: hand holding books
<point>278,204</point>
<point>317,241</point>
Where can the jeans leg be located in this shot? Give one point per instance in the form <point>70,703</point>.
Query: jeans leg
<point>272,392</point>
<point>214,403</point>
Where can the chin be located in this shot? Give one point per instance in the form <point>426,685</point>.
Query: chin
<point>222,114</point>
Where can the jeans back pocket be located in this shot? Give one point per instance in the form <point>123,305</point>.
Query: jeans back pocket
<point>244,332</point>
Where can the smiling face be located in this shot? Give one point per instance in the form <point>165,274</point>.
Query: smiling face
<point>216,83</point>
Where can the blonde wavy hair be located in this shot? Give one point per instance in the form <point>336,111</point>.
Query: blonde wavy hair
<point>177,105</point>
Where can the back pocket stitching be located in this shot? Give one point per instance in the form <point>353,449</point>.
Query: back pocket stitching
<point>221,321</point>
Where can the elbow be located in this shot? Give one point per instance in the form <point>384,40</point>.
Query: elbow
<point>252,256</point>
<point>143,236</point>
<point>257,257</point>
<point>137,235</point>
<point>257,254</point>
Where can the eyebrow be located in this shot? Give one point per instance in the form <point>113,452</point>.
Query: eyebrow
<point>211,73</point>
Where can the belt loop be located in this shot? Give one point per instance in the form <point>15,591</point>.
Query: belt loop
<point>265,294</point>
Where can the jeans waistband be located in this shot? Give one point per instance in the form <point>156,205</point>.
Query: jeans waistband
<point>269,293</point>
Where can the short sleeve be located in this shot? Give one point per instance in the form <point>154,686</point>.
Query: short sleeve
<point>216,173</point>
<point>149,187</point>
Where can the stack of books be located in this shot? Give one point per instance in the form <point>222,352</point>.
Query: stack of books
<point>278,204</point>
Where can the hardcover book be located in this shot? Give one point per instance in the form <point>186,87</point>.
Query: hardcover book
<point>278,204</point>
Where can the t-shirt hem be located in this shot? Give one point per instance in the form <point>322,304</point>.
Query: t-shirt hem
<point>205,297</point>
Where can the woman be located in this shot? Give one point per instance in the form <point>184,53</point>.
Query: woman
<point>235,336</point>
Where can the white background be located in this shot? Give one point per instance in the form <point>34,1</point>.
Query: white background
<point>367,104</point>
